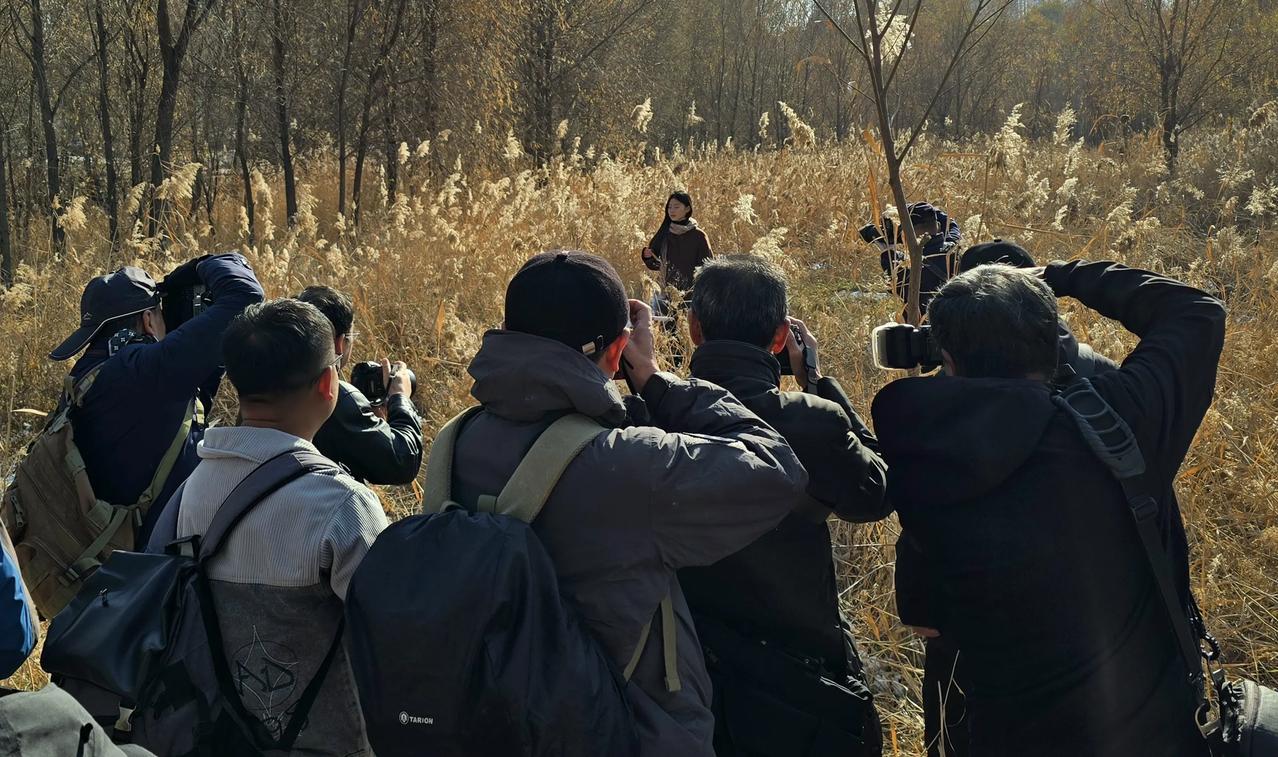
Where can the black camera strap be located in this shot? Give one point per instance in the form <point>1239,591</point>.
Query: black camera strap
<point>1114,443</point>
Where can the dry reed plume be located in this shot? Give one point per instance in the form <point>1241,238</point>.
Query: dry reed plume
<point>427,271</point>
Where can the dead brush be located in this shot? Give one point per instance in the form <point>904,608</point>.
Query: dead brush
<point>427,272</point>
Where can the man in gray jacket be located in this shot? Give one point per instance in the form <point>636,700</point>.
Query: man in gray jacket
<point>705,479</point>
<point>280,582</point>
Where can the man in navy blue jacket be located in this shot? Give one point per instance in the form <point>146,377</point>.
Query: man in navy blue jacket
<point>150,378</point>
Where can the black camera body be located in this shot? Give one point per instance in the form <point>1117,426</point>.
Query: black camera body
<point>181,304</point>
<point>368,379</point>
<point>809,358</point>
<point>900,346</point>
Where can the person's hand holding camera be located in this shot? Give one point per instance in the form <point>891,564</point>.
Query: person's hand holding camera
<point>640,355</point>
<point>398,380</point>
<point>798,360</point>
<point>185,275</point>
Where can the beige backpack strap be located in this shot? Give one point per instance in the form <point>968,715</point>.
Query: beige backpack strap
<point>438,490</point>
<point>669,646</point>
<point>73,394</point>
<point>634,658</point>
<point>194,415</point>
<point>532,482</point>
<point>76,391</point>
<point>669,639</point>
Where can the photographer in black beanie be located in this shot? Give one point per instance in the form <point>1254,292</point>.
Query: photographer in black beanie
<point>639,502</point>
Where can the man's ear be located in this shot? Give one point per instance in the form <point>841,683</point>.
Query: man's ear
<point>327,384</point>
<point>947,362</point>
<point>779,339</point>
<point>341,343</point>
<point>149,323</point>
<point>610,363</point>
<point>694,329</point>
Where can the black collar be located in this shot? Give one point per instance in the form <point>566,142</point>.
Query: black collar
<point>743,369</point>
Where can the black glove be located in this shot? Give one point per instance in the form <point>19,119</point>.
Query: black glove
<point>185,275</point>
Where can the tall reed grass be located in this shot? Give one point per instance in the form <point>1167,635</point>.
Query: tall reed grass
<point>427,271</point>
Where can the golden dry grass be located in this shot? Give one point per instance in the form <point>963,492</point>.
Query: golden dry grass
<point>428,272</point>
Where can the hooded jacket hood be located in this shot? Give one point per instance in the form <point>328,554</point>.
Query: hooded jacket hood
<point>949,439</point>
<point>524,378</point>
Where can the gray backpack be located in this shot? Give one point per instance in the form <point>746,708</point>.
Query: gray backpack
<point>144,627</point>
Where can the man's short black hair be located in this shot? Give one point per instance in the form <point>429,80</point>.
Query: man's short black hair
<point>997,321</point>
<point>335,306</point>
<point>740,298</point>
<point>275,348</point>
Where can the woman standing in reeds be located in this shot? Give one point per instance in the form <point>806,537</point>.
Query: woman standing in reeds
<point>677,250</point>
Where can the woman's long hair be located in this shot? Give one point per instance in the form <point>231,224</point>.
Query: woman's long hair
<point>659,238</point>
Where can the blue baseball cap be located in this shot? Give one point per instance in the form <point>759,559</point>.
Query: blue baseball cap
<point>127,291</point>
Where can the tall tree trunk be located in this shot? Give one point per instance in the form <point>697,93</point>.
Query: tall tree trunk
<point>172,52</point>
<point>241,127</point>
<point>543,33</point>
<point>6,243</point>
<point>361,151</point>
<point>392,145</point>
<point>213,168</point>
<point>112,202</point>
<point>430,69</point>
<point>281,110</point>
<point>44,98</point>
<point>375,77</point>
<point>353,15</point>
<point>1170,121</point>
<point>139,68</point>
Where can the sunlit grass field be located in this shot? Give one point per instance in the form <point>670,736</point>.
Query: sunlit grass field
<point>428,267</point>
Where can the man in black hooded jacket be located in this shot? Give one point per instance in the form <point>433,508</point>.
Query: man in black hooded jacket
<point>781,589</point>
<point>1023,539</point>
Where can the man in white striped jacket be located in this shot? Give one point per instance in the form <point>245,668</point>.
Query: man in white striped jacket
<point>280,582</point>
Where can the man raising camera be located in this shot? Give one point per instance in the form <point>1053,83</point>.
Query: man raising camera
<point>775,602</point>
<point>139,421</point>
<point>377,438</point>
<point>1023,541</point>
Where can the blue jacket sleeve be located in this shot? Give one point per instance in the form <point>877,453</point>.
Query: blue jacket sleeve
<point>17,620</point>
<point>185,360</point>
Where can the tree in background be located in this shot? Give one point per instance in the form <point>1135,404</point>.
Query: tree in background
<point>884,33</point>
<point>1188,49</point>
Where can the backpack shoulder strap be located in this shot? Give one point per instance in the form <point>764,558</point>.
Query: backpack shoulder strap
<point>438,490</point>
<point>532,482</point>
<point>73,393</point>
<point>1113,442</point>
<point>77,389</point>
<point>265,480</point>
<point>193,418</point>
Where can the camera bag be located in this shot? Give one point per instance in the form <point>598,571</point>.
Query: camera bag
<point>1246,719</point>
<point>60,529</point>
<point>477,652</point>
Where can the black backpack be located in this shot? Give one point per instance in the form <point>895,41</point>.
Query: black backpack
<point>460,641</point>
<point>144,629</point>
